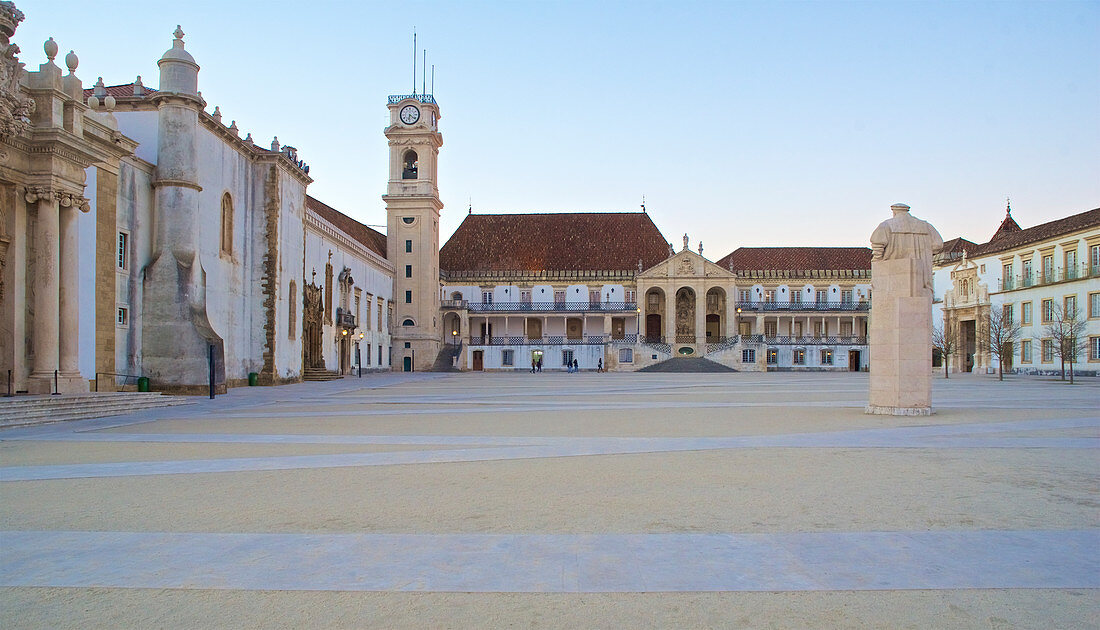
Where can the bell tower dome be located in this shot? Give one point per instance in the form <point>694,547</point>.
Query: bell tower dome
<point>412,235</point>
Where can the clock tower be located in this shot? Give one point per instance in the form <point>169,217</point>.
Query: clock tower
<point>412,235</point>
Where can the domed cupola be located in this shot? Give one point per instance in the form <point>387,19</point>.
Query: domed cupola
<point>178,71</point>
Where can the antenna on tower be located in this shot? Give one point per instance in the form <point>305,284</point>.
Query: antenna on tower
<point>470,210</point>
<point>424,75</point>
<point>414,61</point>
<point>433,78</point>
<point>643,203</point>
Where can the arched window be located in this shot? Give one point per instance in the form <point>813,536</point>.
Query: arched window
<point>411,165</point>
<point>408,322</point>
<point>227,225</point>
<point>457,295</point>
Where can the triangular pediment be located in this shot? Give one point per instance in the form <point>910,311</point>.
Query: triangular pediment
<point>685,264</point>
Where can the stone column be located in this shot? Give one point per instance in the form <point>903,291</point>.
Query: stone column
<point>701,321</point>
<point>670,317</point>
<point>47,267</point>
<point>69,313</point>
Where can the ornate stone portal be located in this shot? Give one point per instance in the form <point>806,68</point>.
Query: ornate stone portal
<point>901,324</point>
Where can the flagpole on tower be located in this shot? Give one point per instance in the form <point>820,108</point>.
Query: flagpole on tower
<point>414,61</point>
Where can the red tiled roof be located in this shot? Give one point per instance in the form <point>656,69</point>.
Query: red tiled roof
<point>1052,229</point>
<point>797,258</point>
<point>583,241</point>
<point>1008,226</point>
<point>119,91</point>
<point>371,239</point>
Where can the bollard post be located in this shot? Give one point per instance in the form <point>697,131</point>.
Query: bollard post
<point>358,362</point>
<point>9,385</point>
<point>56,391</point>
<point>211,362</point>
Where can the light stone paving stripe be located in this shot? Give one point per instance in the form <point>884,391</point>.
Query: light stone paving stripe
<point>544,563</point>
<point>505,448</point>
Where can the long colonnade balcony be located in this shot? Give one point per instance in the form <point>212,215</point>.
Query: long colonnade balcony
<point>809,305</point>
<point>553,340</point>
<point>1054,276</point>
<point>540,307</point>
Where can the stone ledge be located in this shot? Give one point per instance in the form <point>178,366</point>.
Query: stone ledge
<point>880,410</point>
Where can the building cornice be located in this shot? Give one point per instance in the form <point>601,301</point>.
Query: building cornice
<point>326,229</point>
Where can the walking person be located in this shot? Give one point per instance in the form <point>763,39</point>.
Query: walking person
<point>576,366</point>
<point>532,365</point>
<point>599,366</point>
<point>539,365</point>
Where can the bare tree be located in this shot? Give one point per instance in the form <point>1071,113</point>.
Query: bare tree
<point>1067,330</point>
<point>1000,337</point>
<point>944,341</point>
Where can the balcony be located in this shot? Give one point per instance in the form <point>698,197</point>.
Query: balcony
<point>345,319</point>
<point>846,340</point>
<point>1054,276</point>
<point>552,340</point>
<point>804,306</point>
<point>542,307</point>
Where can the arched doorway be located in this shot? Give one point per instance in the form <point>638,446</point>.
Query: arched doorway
<point>685,315</point>
<point>716,315</point>
<point>654,315</point>
<point>312,327</point>
<point>452,328</point>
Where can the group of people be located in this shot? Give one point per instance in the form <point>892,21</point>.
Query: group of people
<point>575,366</point>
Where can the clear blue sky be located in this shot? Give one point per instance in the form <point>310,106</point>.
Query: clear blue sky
<point>742,123</point>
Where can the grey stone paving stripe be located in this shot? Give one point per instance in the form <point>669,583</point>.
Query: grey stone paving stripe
<point>501,448</point>
<point>544,563</point>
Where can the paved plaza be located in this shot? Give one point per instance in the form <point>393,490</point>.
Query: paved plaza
<point>562,500</point>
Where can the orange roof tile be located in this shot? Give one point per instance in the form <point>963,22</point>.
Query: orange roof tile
<point>371,239</point>
<point>582,241</point>
<point>119,91</point>
<point>797,259</point>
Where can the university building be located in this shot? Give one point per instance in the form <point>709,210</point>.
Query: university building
<point>1030,277</point>
<point>142,236</point>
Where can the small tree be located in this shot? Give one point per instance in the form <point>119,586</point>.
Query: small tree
<point>1000,337</point>
<point>1067,330</point>
<point>944,341</point>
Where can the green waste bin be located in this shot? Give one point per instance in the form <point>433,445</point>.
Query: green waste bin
<point>253,378</point>
<point>143,383</point>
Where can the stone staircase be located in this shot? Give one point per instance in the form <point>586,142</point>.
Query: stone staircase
<point>445,361</point>
<point>687,365</point>
<point>319,374</point>
<point>27,410</point>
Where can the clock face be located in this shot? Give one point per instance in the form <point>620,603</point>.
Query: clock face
<point>410,114</point>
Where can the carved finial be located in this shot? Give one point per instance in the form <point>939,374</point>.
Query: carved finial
<point>700,248</point>
<point>275,144</point>
<point>50,47</point>
<point>99,89</point>
<point>217,113</point>
<point>671,250</point>
<point>233,128</point>
<point>643,203</point>
<point>139,87</point>
<point>1008,208</point>
<point>178,33</point>
<point>71,61</point>
<point>248,139</point>
<point>109,102</point>
<point>639,265</point>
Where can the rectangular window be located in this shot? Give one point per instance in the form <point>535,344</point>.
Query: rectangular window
<point>567,357</point>
<point>1006,276</point>
<point>626,355</point>
<point>845,329</point>
<point>770,329</point>
<point>123,317</point>
<point>525,296</point>
<point>408,271</point>
<point>744,296</point>
<point>1025,313</point>
<point>123,250</point>
<point>381,301</point>
<point>1094,260</point>
<point>1069,306</point>
<point>1007,312</point>
<point>1094,305</point>
<point>981,269</point>
<point>654,301</point>
<point>1048,311</point>
<point>486,297</point>
<point>408,297</point>
<point>826,356</point>
<point>1048,268</point>
<point>1048,350</point>
<point>507,357</point>
<point>1071,264</point>
<point>846,296</point>
<point>799,356</point>
<point>594,296</point>
<point>1094,348</point>
<point>559,297</point>
<point>748,355</point>
<point>629,296</point>
<point>773,356</point>
<point>821,296</point>
<point>769,296</point>
<point>796,297</point>
<point>408,246</point>
<point>1025,351</point>
<point>367,315</point>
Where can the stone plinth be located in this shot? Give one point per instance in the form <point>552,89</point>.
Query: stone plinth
<point>900,340</point>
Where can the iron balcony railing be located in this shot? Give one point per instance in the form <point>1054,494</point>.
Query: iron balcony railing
<point>345,319</point>
<point>804,306</point>
<point>1054,276</point>
<point>543,307</point>
<point>846,340</point>
<point>551,340</point>
<point>423,98</point>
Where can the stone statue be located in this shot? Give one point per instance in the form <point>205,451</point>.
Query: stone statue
<point>905,236</point>
<point>685,240</point>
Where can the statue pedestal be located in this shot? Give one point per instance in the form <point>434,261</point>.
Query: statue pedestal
<point>900,340</point>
